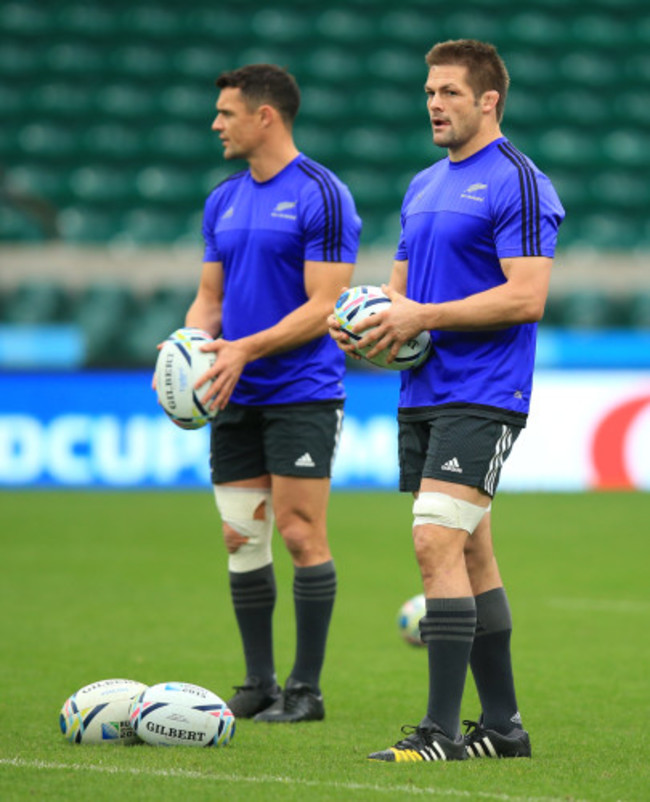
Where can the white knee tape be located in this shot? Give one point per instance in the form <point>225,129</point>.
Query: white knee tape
<point>444,510</point>
<point>237,506</point>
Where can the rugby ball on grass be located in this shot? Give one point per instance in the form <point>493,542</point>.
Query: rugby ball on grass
<point>357,304</point>
<point>99,713</point>
<point>179,713</point>
<point>180,364</point>
<point>408,619</point>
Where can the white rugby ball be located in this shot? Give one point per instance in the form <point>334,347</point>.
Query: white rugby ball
<point>408,619</point>
<point>179,365</point>
<point>99,713</point>
<point>179,713</point>
<point>357,304</point>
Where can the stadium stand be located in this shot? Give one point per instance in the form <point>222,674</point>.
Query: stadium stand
<point>107,109</point>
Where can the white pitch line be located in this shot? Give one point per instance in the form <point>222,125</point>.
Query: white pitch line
<point>601,605</point>
<point>20,763</point>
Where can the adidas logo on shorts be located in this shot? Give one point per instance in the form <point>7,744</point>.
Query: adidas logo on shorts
<point>305,461</point>
<point>452,465</point>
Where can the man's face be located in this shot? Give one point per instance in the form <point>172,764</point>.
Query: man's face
<point>454,111</point>
<point>237,126</point>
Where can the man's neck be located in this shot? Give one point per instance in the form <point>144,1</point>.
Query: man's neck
<point>266,164</point>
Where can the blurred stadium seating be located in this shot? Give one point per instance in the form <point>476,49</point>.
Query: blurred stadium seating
<point>106,113</point>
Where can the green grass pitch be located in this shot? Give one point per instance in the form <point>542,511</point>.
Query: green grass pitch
<point>100,585</point>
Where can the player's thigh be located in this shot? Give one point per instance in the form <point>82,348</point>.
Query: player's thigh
<point>466,451</point>
<point>300,440</point>
<point>303,501</point>
<point>237,447</point>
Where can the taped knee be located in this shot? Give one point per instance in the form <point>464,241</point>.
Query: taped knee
<point>444,510</point>
<point>238,507</point>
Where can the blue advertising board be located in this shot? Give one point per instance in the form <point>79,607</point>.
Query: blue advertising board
<point>105,429</point>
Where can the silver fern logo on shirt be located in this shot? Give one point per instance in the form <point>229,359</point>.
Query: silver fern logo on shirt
<point>283,209</point>
<point>472,189</point>
<point>228,213</point>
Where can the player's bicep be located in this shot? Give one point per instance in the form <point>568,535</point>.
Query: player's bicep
<point>324,281</point>
<point>528,278</point>
<point>398,276</point>
<point>210,288</point>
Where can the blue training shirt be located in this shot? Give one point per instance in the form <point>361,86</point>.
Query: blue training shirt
<point>458,220</point>
<point>262,233</point>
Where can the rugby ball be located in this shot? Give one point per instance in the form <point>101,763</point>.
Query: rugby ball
<point>357,304</point>
<point>179,365</point>
<point>408,619</point>
<point>99,713</point>
<point>179,713</point>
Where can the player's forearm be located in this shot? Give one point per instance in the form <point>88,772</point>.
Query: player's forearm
<point>304,324</point>
<point>206,316</point>
<point>496,308</point>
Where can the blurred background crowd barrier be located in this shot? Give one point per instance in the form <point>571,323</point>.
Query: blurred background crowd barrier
<point>106,155</point>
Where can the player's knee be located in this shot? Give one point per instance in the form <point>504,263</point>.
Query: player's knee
<point>441,509</point>
<point>247,517</point>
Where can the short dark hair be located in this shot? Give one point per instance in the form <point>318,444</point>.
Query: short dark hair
<point>485,68</point>
<point>265,84</point>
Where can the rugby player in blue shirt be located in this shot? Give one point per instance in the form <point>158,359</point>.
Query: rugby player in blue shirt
<point>473,265</point>
<point>281,239</point>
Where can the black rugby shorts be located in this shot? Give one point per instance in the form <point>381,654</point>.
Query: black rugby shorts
<point>282,439</point>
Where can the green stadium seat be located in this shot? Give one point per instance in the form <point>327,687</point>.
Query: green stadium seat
<point>139,60</point>
<point>37,301</point>
<point>372,187</point>
<point>24,19</point>
<point>219,24</point>
<point>468,23</point>
<point>373,145</point>
<point>126,101</point>
<point>87,20</point>
<point>398,66</point>
<point>599,29</point>
<point>626,190</point>
<point>65,99</point>
<point>99,185</point>
<point>589,309</point>
<point>148,226</point>
<point>525,110</point>
<point>410,26</point>
<point>192,102</point>
<point>537,27</point>
<point>529,68</point>
<point>17,226</point>
<point>633,106</point>
<point>607,230</point>
<point>638,310</point>
<point>48,140</point>
<point>37,181</point>
<point>152,22</point>
<point>201,62</point>
<point>388,105</point>
<point>173,185</point>
<point>332,65</point>
<point>324,103</point>
<point>578,106</point>
<point>75,58</point>
<point>113,140</point>
<point>346,26</point>
<point>82,224</point>
<point>591,68</point>
<point>104,311</point>
<point>182,141</point>
<point>627,147</point>
<point>568,147</point>
<point>283,25</point>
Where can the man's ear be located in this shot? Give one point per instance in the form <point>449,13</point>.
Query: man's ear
<point>489,100</point>
<point>267,115</point>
